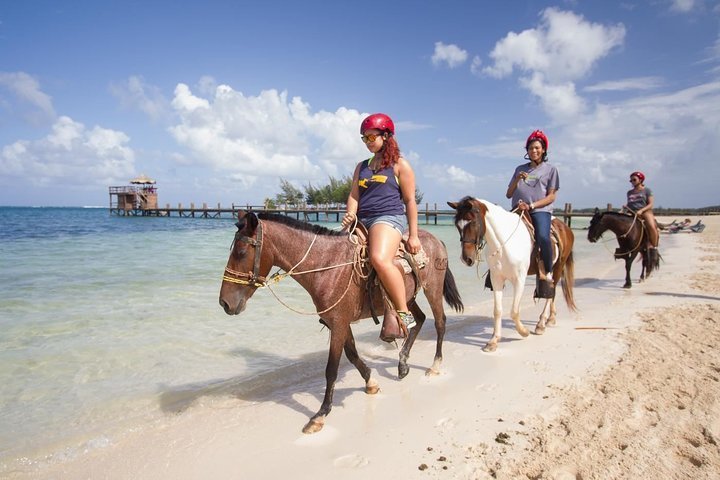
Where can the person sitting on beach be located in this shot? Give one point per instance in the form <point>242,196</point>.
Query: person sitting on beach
<point>640,201</point>
<point>382,198</point>
<point>532,189</point>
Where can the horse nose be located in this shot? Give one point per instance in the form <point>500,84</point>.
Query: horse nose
<point>225,306</point>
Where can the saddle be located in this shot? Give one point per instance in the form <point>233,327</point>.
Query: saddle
<point>543,287</point>
<point>392,327</point>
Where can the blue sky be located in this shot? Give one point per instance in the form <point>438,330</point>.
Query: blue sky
<point>219,100</point>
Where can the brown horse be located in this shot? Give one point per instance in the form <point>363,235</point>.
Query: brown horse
<point>326,265</point>
<point>508,251</point>
<point>632,238</point>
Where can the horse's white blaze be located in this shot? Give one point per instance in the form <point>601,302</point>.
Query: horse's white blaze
<point>461,224</point>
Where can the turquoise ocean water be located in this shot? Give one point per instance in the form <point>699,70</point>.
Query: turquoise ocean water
<point>105,321</point>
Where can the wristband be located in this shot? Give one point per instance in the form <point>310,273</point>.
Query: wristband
<point>532,206</point>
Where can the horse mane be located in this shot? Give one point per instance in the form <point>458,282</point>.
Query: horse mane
<point>299,224</point>
<point>463,206</point>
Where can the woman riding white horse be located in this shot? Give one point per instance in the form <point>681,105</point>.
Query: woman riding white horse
<point>507,244</point>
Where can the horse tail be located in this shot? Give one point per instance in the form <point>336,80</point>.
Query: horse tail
<point>451,293</point>
<point>568,282</point>
<point>652,256</point>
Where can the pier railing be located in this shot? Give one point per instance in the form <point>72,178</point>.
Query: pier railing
<point>330,213</point>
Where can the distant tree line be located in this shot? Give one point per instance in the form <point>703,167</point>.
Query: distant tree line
<point>332,195</point>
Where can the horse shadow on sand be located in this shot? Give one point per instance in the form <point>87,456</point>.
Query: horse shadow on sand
<point>304,375</point>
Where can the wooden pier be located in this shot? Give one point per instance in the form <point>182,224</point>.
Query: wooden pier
<point>428,215</point>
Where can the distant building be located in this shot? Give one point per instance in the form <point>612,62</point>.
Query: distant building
<point>134,199</point>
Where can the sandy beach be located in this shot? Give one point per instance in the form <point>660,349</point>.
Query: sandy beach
<point>628,387</point>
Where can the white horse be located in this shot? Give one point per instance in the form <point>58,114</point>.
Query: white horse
<point>508,249</point>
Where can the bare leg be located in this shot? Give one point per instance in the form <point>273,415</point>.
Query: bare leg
<point>383,244</point>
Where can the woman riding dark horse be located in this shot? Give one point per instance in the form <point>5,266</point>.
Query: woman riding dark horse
<point>632,238</point>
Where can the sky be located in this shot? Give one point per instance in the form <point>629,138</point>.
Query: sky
<point>220,100</point>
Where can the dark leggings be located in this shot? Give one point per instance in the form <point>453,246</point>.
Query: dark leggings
<point>541,222</point>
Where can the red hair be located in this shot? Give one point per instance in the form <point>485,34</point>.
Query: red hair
<point>390,152</point>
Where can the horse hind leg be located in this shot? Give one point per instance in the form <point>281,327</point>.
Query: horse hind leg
<point>403,368</point>
<point>545,315</point>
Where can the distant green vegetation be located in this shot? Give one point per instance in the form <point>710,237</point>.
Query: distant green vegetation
<point>332,195</point>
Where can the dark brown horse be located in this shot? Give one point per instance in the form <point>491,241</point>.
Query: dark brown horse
<point>325,263</point>
<point>632,240</point>
<point>508,250</point>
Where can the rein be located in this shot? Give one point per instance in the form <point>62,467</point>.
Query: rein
<point>255,280</point>
<point>640,238</point>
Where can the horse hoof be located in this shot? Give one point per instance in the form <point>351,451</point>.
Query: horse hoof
<point>314,426</point>
<point>539,330</point>
<point>627,285</point>
<point>490,347</point>
<point>524,332</point>
<point>551,322</point>
<point>432,372</point>
<point>371,388</point>
<point>403,370</point>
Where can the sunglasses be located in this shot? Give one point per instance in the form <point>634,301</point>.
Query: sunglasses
<point>371,137</point>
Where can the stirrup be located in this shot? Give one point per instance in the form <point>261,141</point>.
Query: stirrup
<point>544,289</point>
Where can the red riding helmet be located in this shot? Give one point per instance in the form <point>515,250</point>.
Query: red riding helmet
<point>538,135</point>
<point>378,121</point>
<point>640,175</point>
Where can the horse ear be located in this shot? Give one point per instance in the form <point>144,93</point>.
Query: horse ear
<point>251,223</point>
<point>453,205</point>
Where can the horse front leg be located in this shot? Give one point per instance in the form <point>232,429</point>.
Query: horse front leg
<point>491,346</point>
<point>403,368</point>
<point>518,288</point>
<point>628,266</point>
<point>371,386</point>
<point>338,337</point>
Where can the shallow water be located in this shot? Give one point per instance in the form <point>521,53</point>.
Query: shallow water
<point>111,322</point>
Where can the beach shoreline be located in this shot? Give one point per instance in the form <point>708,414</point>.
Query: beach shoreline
<point>522,410</point>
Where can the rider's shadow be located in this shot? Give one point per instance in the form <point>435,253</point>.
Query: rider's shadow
<point>304,376</point>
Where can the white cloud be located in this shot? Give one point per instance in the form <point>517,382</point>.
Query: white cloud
<point>452,55</point>
<point>638,83</point>
<point>450,176</point>
<point>266,135</point>
<point>552,56</point>
<point>27,90</point>
<point>476,66</point>
<point>559,100</point>
<point>682,6</point>
<point>136,93</point>
<point>563,47</point>
<point>71,153</point>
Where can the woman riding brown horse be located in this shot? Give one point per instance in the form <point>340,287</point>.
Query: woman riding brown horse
<point>329,268</point>
<point>632,238</point>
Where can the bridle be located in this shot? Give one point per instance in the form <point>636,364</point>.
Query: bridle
<point>253,278</point>
<point>630,229</point>
<point>479,242</point>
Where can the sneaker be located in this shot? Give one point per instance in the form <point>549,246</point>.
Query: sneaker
<point>407,318</point>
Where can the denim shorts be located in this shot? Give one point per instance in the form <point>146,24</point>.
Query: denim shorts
<point>398,222</point>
